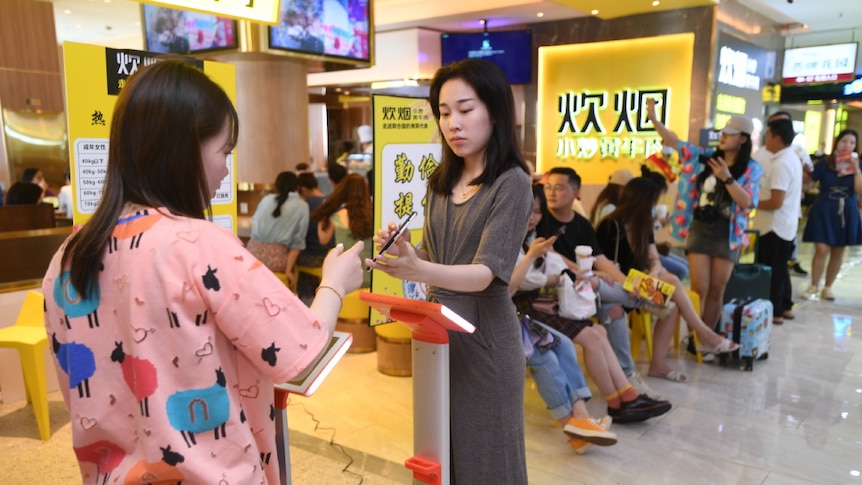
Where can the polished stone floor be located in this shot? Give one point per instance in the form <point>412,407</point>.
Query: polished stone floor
<point>796,419</point>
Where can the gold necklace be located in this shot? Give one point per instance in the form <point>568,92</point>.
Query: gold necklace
<point>469,191</point>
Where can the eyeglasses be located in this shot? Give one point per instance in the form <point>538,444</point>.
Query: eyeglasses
<point>556,188</point>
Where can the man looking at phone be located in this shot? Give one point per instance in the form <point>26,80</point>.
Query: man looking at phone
<point>561,189</point>
<point>778,213</point>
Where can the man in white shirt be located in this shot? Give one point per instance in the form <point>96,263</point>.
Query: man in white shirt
<point>65,197</point>
<point>778,212</point>
<point>762,156</point>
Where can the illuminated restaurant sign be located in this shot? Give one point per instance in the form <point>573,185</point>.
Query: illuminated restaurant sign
<point>740,69</point>
<point>265,11</point>
<point>820,64</point>
<point>591,112</point>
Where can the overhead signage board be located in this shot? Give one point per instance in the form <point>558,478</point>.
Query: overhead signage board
<point>94,76</point>
<point>820,64</point>
<point>591,113</point>
<point>265,11</point>
<point>741,70</point>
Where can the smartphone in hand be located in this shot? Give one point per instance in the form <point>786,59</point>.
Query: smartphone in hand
<point>394,237</point>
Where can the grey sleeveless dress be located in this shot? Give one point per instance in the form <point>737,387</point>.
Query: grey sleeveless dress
<point>487,368</point>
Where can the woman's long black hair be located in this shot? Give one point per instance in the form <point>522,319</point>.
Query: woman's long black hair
<point>285,183</point>
<point>739,166</point>
<point>635,214</point>
<point>493,89</point>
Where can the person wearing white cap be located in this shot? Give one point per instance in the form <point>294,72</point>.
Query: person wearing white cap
<point>609,197</point>
<point>717,191</point>
<point>362,162</point>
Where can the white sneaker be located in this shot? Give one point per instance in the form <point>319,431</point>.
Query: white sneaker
<point>827,294</point>
<point>810,293</point>
<point>640,386</point>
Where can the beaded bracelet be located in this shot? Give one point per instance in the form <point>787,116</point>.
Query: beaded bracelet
<point>331,289</point>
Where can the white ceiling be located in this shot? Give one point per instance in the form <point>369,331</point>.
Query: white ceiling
<point>118,22</point>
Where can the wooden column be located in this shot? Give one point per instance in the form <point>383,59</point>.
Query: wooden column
<point>29,61</point>
<point>29,58</point>
<point>272,102</point>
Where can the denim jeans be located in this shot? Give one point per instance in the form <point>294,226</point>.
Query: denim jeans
<point>558,375</point>
<point>613,296</point>
<point>675,265</point>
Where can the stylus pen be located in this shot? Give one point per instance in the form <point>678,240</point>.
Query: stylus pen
<point>394,238</point>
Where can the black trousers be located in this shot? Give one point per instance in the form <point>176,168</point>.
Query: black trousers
<point>775,252</point>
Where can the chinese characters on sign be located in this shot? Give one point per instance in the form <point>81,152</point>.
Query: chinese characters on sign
<point>404,170</point>
<point>91,167</point>
<point>120,64</point>
<point>404,118</point>
<point>583,136</point>
<point>825,63</point>
<point>737,69</point>
<point>97,118</point>
<point>741,68</point>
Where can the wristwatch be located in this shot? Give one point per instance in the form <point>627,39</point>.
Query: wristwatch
<point>729,180</point>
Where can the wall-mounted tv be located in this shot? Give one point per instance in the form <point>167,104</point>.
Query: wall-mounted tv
<point>186,32</point>
<point>511,50</point>
<point>337,30</point>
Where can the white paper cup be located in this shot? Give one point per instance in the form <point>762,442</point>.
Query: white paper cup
<point>586,263</point>
<point>583,251</point>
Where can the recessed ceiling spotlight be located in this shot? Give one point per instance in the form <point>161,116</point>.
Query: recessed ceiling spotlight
<point>540,14</point>
<point>67,12</point>
<point>137,24</point>
<point>595,12</point>
<point>655,3</point>
<point>77,26</point>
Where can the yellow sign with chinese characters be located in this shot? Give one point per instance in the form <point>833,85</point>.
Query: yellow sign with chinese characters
<point>591,112</point>
<point>407,150</point>
<point>265,11</point>
<point>94,75</point>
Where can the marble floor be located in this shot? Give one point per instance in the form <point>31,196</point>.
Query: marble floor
<point>796,419</point>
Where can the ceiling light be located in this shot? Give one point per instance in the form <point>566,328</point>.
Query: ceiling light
<point>540,14</point>
<point>67,11</point>
<point>655,3</point>
<point>77,26</point>
<point>483,21</point>
<point>595,12</point>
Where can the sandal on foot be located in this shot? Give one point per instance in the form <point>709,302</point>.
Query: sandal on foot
<point>673,376</point>
<point>724,347</point>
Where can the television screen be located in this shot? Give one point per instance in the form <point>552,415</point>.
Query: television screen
<point>332,28</point>
<point>511,50</point>
<point>186,32</point>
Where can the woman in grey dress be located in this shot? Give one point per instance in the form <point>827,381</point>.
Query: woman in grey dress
<point>478,204</point>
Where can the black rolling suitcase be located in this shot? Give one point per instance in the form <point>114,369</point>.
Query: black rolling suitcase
<point>749,280</point>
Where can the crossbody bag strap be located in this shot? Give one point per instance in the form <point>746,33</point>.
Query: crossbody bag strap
<point>617,249</point>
